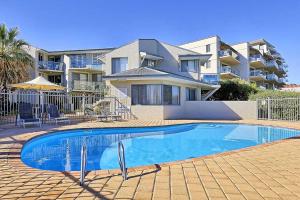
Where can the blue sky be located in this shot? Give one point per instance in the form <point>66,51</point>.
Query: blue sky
<point>70,24</point>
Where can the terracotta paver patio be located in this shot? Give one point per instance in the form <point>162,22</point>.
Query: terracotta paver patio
<point>269,171</point>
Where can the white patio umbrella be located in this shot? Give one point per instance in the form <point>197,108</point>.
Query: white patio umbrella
<point>40,84</point>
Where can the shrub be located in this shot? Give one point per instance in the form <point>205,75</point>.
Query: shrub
<point>234,90</point>
<point>273,94</point>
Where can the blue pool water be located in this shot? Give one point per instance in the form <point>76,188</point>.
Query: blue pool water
<point>60,151</point>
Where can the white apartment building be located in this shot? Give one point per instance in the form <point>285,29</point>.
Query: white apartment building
<point>205,61</point>
<point>255,61</point>
<point>158,80</point>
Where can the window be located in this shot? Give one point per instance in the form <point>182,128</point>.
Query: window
<point>79,77</point>
<point>189,65</point>
<point>54,58</point>
<point>148,63</point>
<point>41,57</point>
<point>119,65</point>
<point>155,94</point>
<point>208,64</point>
<point>78,61</point>
<point>207,47</point>
<point>146,94</point>
<point>96,77</point>
<point>55,79</point>
<point>95,59</point>
<point>171,95</point>
<point>190,94</point>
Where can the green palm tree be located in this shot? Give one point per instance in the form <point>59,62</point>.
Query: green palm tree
<point>15,62</point>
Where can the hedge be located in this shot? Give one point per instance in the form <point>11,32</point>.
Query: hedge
<point>273,94</point>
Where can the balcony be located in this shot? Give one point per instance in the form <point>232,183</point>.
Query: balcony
<point>213,79</point>
<point>282,68</point>
<point>88,86</point>
<point>257,75</point>
<point>51,66</point>
<point>272,77</point>
<point>228,72</point>
<point>257,61</point>
<point>272,65</point>
<point>282,80</point>
<point>87,66</point>
<point>229,57</point>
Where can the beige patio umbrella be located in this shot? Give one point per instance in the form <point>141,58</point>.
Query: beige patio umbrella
<point>39,83</point>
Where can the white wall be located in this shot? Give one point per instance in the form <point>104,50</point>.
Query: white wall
<point>211,110</point>
<point>228,110</point>
<point>199,46</point>
<point>243,67</point>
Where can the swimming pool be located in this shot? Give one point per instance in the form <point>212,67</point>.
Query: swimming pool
<point>60,151</point>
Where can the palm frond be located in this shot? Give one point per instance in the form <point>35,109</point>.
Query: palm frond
<point>15,62</point>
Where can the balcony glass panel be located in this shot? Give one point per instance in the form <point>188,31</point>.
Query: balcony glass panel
<point>271,63</point>
<point>51,65</point>
<point>272,77</point>
<point>88,85</point>
<point>257,73</point>
<point>86,61</point>
<point>228,52</point>
<point>228,69</point>
<point>257,57</point>
<point>210,78</point>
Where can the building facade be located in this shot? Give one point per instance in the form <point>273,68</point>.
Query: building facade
<point>149,72</point>
<point>255,61</point>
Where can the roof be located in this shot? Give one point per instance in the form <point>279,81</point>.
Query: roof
<point>81,50</point>
<point>141,71</point>
<point>201,57</point>
<point>151,72</point>
<point>261,41</point>
<point>291,86</point>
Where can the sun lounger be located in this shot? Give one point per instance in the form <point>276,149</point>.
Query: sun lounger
<point>54,115</point>
<point>26,116</point>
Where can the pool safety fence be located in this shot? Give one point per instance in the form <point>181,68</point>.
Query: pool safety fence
<point>73,106</point>
<point>287,109</point>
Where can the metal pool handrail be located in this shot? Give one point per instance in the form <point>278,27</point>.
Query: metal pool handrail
<point>122,162</point>
<point>83,163</point>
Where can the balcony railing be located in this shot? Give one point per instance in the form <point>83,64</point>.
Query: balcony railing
<point>213,79</point>
<point>257,73</point>
<point>272,63</point>
<point>272,77</point>
<point>228,52</point>
<point>283,68</point>
<point>88,85</point>
<point>258,57</point>
<point>86,65</point>
<point>227,69</point>
<point>51,65</point>
<point>282,80</point>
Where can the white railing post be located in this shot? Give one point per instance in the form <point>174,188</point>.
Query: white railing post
<point>269,108</point>
<point>83,164</point>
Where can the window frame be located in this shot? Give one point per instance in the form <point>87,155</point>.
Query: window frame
<point>114,71</point>
<point>207,48</point>
<point>188,94</point>
<point>138,99</point>
<point>188,67</point>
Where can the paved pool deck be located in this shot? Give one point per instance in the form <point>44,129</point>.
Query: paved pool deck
<point>269,171</point>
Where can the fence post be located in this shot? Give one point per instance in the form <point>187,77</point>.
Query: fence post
<point>83,104</point>
<point>269,108</point>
